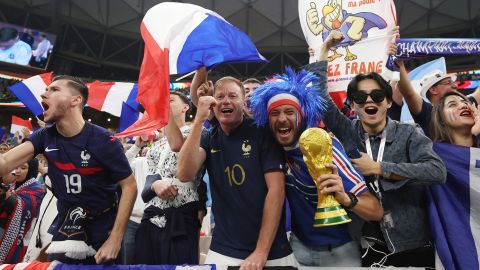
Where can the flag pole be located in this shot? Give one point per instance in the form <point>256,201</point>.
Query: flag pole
<point>185,76</point>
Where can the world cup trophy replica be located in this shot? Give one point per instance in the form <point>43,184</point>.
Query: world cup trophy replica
<point>316,147</point>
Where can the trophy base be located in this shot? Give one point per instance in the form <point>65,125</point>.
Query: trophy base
<point>330,216</point>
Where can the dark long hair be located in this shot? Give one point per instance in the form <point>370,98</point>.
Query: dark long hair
<point>32,169</point>
<point>439,130</point>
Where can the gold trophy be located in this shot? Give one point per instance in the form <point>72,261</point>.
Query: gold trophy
<point>316,147</point>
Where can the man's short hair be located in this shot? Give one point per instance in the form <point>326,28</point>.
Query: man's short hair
<point>384,85</point>
<point>75,83</point>
<point>252,80</point>
<point>191,111</point>
<point>226,79</point>
<point>8,33</point>
<point>182,96</point>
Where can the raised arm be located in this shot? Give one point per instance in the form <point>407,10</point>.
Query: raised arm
<point>412,98</point>
<point>16,157</point>
<point>200,86</point>
<point>134,150</point>
<point>192,156</point>
<point>272,211</point>
<point>174,135</point>
<point>335,120</point>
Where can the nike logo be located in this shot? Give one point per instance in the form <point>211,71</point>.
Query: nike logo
<point>50,149</point>
<point>213,151</point>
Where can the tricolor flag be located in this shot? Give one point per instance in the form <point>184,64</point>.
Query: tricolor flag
<point>128,117</point>
<point>180,38</point>
<point>109,96</point>
<point>454,208</point>
<point>415,76</point>
<point>18,124</point>
<point>29,90</point>
<point>55,265</point>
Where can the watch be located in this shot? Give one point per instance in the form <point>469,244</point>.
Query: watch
<point>354,200</point>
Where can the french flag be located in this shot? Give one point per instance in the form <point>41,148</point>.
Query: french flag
<point>18,124</point>
<point>129,116</point>
<point>180,38</point>
<point>109,96</point>
<point>29,90</point>
<point>454,208</point>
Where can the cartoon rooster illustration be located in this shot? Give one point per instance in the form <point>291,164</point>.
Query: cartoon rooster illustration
<point>354,27</point>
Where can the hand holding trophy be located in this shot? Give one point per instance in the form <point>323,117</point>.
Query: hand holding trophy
<point>316,147</point>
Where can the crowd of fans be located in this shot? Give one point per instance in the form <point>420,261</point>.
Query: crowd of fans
<point>244,144</point>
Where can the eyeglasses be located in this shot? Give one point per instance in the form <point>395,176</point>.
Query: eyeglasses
<point>361,97</point>
<point>446,83</point>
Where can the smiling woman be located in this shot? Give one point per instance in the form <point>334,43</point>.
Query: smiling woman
<point>455,120</point>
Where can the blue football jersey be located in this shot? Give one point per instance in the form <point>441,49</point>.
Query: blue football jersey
<point>84,169</point>
<point>236,165</point>
<point>302,196</point>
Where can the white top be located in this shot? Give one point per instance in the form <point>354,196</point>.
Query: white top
<point>140,170</point>
<point>163,161</point>
<point>42,48</point>
<point>20,53</point>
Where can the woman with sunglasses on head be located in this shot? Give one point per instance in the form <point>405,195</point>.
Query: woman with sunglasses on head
<point>396,159</point>
<point>455,121</point>
<point>18,208</point>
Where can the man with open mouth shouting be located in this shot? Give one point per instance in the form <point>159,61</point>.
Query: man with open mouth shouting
<point>246,181</point>
<point>397,160</point>
<point>289,106</point>
<point>86,167</point>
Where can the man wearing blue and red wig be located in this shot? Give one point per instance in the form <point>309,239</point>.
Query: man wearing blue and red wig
<point>290,106</point>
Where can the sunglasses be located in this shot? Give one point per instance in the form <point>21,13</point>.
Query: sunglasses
<point>361,97</point>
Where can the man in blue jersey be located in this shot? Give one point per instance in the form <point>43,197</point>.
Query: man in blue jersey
<point>85,166</point>
<point>289,106</point>
<point>247,182</point>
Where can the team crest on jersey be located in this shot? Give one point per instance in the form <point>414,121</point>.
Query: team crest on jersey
<point>74,222</point>
<point>85,157</point>
<point>77,213</point>
<point>246,148</point>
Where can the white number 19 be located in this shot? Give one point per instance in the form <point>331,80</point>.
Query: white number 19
<point>73,183</point>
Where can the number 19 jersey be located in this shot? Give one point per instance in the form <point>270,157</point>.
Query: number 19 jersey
<point>84,169</point>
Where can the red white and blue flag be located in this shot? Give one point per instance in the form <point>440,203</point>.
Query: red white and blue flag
<point>55,265</point>
<point>454,208</point>
<point>129,116</point>
<point>18,124</point>
<point>110,96</point>
<point>103,96</point>
<point>181,38</point>
<point>29,90</point>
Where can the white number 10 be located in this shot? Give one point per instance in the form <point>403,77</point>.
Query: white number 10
<point>73,183</point>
